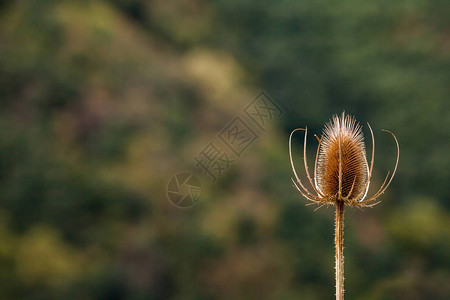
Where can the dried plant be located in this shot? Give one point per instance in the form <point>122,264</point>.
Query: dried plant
<point>341,176</point>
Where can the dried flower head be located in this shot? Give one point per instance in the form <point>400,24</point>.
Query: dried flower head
<point>341,169</point>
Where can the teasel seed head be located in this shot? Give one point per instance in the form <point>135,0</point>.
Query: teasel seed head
<point>341,170</point>
<point>342,163</point>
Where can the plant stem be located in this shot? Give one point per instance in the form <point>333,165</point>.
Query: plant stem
<point>339,244</point>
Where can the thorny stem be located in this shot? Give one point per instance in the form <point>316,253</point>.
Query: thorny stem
<point>339,244</point>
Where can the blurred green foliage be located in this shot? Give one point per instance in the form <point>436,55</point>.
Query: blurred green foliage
<point>101,102</point>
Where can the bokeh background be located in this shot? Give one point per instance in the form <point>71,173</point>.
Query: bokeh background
<point>101,102</point>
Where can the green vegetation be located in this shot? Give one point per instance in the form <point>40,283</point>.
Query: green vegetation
<point>101,102</point>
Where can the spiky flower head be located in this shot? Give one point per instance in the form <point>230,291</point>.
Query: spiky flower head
<point>341,170</point>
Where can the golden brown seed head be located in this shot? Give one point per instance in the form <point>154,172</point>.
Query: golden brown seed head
<point>342,170</point>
